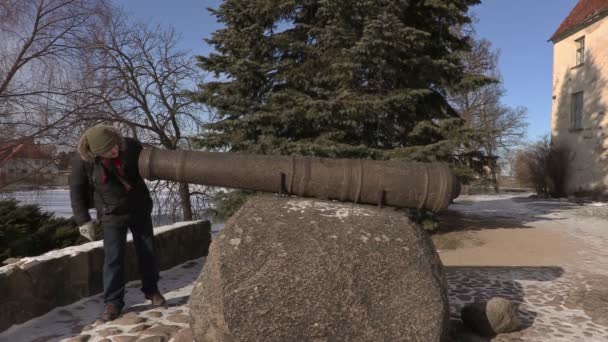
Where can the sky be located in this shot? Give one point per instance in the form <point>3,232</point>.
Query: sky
<point>518,29</point>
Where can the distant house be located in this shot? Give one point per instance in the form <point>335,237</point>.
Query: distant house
<point>580,95</point>
<point>26,162</point>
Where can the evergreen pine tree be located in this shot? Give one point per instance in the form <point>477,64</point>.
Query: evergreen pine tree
<point>337,78</point>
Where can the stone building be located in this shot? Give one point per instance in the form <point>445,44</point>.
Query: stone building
<point>580,95</point>
<point>26,162</point>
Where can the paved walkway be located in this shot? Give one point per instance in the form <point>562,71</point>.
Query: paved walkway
<point>549,257</point>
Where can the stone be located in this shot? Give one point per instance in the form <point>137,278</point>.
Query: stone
<point>138,328</point>
<point>130,313</point>
<point>87,328</point>
<point>76,329</point>
<point>65,313</point>
<point>153,339</point>
<point>17,307</point>
<point>179,319</point>
<point>496,316</point>
<point>80,338</point>
<point>184,335</point>
<point>162,330</point>
<point>129,319</point>
<point>109,332</point>
<point>295,269</point>
<point>46,338</point>
<point>124,338</point>
<point>154,314</point>
<point>591,297</point>
<point>10,261</point>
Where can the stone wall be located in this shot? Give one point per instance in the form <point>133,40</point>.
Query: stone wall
<point>33,286</point>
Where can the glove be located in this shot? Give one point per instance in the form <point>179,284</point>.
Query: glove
<point>89,230</point>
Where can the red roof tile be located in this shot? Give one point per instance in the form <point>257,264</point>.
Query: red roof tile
<point>585,11</point>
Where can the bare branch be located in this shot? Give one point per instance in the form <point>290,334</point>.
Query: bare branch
<point>138,80</point>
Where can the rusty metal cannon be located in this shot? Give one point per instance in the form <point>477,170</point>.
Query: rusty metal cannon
<point>393,183</point>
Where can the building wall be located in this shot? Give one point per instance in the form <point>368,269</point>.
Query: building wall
<point>28,171</point>
<point>588,168</point>
<point>22,166</point>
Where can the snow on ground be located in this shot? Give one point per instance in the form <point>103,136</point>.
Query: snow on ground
<point>509,206</point>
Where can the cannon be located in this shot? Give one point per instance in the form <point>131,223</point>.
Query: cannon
<point>392,183</point>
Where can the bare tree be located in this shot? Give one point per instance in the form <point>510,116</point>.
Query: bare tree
<point>39,44</point>
<point>474,94</point>
<point>138,79</point>
<point>544,166</point>
<point>479,103</point>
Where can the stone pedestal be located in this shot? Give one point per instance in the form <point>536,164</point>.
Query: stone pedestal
<point>293,269</point>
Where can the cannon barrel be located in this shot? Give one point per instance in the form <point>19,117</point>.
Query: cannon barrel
<point>393,183</point>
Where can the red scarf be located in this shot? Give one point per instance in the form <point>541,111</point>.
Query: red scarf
<point>114,165</point>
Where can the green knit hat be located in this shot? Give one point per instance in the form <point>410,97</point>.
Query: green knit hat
<point>101,139</point>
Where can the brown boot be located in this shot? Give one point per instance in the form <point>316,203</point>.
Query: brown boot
<point>111,312</point>
<point>157,299</point>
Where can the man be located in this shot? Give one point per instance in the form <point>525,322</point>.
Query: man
<point>105,176</point>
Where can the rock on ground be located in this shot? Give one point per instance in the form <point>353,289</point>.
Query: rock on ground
<point>496,316</point>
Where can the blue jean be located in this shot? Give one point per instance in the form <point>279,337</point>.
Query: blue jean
<point>114,246</point>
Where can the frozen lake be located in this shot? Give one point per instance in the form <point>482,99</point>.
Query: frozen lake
<point>57,201</point>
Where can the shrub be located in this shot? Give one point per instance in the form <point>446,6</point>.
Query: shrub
<point>25,230</point>
<point>544,166</point>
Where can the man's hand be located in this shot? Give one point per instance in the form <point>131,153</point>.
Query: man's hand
<point>88,230</point>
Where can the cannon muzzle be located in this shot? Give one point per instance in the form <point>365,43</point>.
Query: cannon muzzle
<point>393,183</point>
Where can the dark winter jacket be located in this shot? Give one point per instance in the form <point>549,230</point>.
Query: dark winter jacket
<point>93,185</point>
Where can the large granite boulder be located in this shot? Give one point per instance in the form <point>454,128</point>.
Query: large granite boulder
<point>292,269</point>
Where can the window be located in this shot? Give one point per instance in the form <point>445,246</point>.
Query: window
<point>580,51</point>
<point>577,111</point>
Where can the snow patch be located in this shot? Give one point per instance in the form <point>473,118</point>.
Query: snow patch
<point>328,209</point>
<point>86,247</point>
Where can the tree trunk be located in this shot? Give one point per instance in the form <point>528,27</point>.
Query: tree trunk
<point>493,167</point>
<point>184,195</point>
<point>495,180</point>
